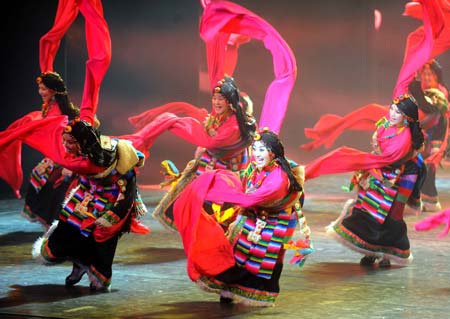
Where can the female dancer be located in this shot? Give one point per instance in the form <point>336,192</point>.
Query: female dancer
<point>385,181</point>
<point>222,141</point>
<point>97,208</point>
<point>48,180</point>
<point>245,263</point>
<point>431,97</point>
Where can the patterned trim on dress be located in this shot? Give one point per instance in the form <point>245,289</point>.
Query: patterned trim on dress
<point>377,200</point>
<point>40,173</point>
<point>241,294</point>
<point>429,199</point>
<point>32,217</point>
<point>89,200</point>
<point>208,161</point>
<point>47,255</point>
<point>97,278</point>
<point>349,239</point>
<point>260,258</point>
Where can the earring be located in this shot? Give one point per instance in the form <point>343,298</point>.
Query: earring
<point>405,122</point>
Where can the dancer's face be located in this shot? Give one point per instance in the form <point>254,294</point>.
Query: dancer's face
<point>219,103</point>
<point>395,116</point>
<point>428,78</point>
<point>45,93</point>
<point>71,145</point>
<point>261,154</point>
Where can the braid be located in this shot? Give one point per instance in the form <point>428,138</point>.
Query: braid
<point>416,135</point>
<point>294,186</point>
<point>273,143</point>
<point>66,107</point>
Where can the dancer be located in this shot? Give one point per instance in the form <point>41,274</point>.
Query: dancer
<point>245,263</point>
<point>42,133</point>
<point>222,142</point>
<point>49,181</point>
<point>385,180</point>
<point>97,208</point>
<point>433,105</point>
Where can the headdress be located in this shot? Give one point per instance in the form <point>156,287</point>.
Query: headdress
<point>53,81</point>
<point>100,149</point>
<point>227,87</point>
<point>276,147</point>
<point>408,106</point>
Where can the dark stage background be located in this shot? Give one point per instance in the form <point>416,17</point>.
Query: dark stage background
<point>157,56</point>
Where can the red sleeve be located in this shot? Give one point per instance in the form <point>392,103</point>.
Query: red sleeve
<point>346,159</point>
<point>194,132</point>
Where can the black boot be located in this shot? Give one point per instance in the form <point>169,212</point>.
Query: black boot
<point>367,260</point>
<point>95,288</point>
<point>225,300</point>
<point>75,276</point>
<point>384,263</point>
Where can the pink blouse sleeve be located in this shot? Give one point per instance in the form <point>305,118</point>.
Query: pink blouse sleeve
<point>346,159</point>
<point>274,187</point>
<point>193,131</point>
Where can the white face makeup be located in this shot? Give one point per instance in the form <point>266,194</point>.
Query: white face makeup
<point>261,154</point>
<point>395,116</point>
<point>219,103</point>
<point>45,93</point>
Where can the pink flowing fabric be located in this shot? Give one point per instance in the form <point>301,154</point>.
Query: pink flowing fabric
<point>420,44</point>
<point>224,27</point>
<point>346,159</point>
<point>211,257</point>
<point>187,128</point>
<point>441,26</point>
<point>427,41</point>
<point>330,126</point>
<point>28,129</point>
<point>222,19</point>
<point>39,133</point>
<point>98,42</point>
<point>218,67</point>
<point>435,220</point>
<point>66,13</point>
<point>141,120</point>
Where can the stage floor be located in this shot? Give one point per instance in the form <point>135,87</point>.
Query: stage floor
<point>150,281</point>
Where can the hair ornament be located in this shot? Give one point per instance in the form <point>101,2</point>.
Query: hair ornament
<point>258,133</point>
<point>401,98</point>
<point>71,123</point>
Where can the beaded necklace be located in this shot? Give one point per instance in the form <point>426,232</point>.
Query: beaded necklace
<point>255,178</point>
<point>213,122</point>
<point>397,132</point>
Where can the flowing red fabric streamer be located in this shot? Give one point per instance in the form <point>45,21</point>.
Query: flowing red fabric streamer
<point>222,20</point>
<point>435,220</point>
<point>30,128</point>
<point>210,257</point>
<point>425,42</point>
<point>98,42</point>
<point>441,26</point>
<point>420,44</point>
<point>141,120</point>
<point>346,159</point>
<point>330,126</point>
